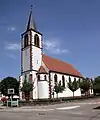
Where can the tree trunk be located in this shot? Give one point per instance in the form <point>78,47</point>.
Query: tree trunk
<point>85,93</point>
<point>73,94</point>
<point>53,95</point>
<point>27,97</point>
<point>57,95</point>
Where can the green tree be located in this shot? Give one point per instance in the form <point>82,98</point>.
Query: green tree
<point>85,85</point>
<point>27,88</point>
<point>73,86</point>
<point>7,83</point>
<point>96,85</point>
<point>58,88</point>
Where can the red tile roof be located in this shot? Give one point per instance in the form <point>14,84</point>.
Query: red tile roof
<point>42,70</point>
<point>60,66</point>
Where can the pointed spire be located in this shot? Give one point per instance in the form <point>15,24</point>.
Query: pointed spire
<point>31,23</point>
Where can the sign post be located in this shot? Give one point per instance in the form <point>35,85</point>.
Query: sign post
<point>11,92</point>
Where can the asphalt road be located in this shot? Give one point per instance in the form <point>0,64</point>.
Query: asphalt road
<point>67,111</point>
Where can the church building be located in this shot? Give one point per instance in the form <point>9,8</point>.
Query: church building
<point>42,70</point>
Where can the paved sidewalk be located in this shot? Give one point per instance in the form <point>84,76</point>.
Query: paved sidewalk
<point>65,111</point>
<point>61,106</point>
<point>2,107</point>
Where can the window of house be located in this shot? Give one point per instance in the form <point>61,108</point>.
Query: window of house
<point>36,40</point>
<point>26,40</point>
<point>55,78</point>
<point>63,81</point>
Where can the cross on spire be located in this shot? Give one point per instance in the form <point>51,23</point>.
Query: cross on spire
<point>31,7</point>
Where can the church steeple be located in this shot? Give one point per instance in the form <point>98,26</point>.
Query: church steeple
<point>31,23</point>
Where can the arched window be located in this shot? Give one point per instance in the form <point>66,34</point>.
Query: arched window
<point>38,77</point>
<point>69,79</point>
<point>26,40</point>
<point>55,78</point>
<point>30,77</point>
<point>63,81</point>
<point>36,40</point>
<point>45,77</point>
<point>79,80</point>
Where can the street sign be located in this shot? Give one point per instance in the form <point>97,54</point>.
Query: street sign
<point>11,91</point>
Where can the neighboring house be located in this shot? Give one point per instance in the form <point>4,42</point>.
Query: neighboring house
<point>43,71</point>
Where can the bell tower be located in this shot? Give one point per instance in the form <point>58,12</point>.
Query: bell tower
<point>31,52</point>
<point>31,47</point>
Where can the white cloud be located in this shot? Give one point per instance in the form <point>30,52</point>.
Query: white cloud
<point>54,46</point>
<point>51,46</point>
<point>59,51</point>
<point>12,46</point>
<point>11,28</point>
<point>11,56</point>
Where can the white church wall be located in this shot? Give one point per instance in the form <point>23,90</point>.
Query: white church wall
<point>35,87</point>
<point>36,52</point>
<point>36,58</point>
<point>43,89</point>
<point>43,86</point>
<point>67,92</point>
<point>26,59</point>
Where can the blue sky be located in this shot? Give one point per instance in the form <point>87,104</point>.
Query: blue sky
<point>71,32</point>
